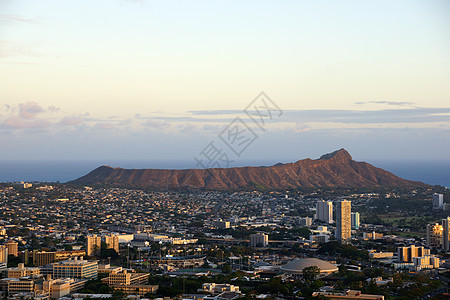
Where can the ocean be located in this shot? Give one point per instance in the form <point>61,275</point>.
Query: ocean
<point>434,172</point>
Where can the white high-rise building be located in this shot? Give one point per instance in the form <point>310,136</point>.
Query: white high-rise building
<point>259,240</point>
<point>324,211</point>
<point>438,201</point>
<point>343,221</point>
<point>355,220</point>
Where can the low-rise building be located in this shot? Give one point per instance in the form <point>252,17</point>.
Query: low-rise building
<point>60,287</point>
<point>22,271</point>
<point>107,269</point>
<point>426,262</point>
<point>17,285</point>
<point>75,268</point>
<point>372,236</point>
<point>378,255</point>
<point>215,288</point>
<point>350,294</point>
<point>126,278</point>
<point>130,283</point>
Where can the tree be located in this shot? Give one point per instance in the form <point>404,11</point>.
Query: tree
<point>118,295</point>
<point>226,268</point>
<point>311,273</point>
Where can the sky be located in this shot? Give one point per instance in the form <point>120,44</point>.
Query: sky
<point>117,79</point>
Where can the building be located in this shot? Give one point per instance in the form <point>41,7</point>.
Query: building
<point>406,254</point>
<point>445,207</point>
<point>438,201</point>
<point>377,255</point>
<point>319,238</point>
<point>306,221</point>
<point>107,269</point>
<point>295,267</point>
<point>17,285</point>
<point>216,288</point>
<point>259,240</point>
<point>12,247</point>
<point>372,236</point>
<point>222,224</point>
<point>426,262</point>
<point>75,268</point>
<point>57,288</point>
<point>127,278</point>
<point>3,254</point>
<point>112,242</point>
<point>93,245</point>
<point>324,211</point>
<point>141,289</point>
<point>343,221</point>
<point>183,262</point>
<point>434,235</point>
<point>355,220</point>
<point>349,294</point>
<point>130,283</point>
<point>42,258</point>
<point>27,185</point>
<point>446,234</point>
<point>22,271</point>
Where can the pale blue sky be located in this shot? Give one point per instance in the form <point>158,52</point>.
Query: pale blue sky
<point>116,79</point>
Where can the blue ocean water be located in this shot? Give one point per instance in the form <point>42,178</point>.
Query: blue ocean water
<point>435,172</point>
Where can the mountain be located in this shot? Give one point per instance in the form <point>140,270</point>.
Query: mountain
<point>336,169</point>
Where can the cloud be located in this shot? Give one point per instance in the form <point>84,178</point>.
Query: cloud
<point>71,121</point>
<point>405,115</point>
<point>301,127</point>
<point>187,128</point>
<point>53,109</point>
<point>17,18</point>
<point>104,126</point>
<point>30,110</point>
<point>15,122</point>
<point>212,128</point>
<point>156,124</point>
<point>393,103</point>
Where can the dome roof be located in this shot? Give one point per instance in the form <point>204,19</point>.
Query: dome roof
<point>298,264</point>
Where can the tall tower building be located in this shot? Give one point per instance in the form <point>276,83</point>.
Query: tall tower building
<point>446,234</point>
<point>93,245</point>
<point>3,254</point>
<point>112,242</point>
<point>434,235</point>
<point>355,220</point>
<point>438,201</point>
<point>343,221</point>
<point>12,247</point>
<point>324,211</point>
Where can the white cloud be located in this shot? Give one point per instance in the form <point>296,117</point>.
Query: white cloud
<point>30,110</point>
